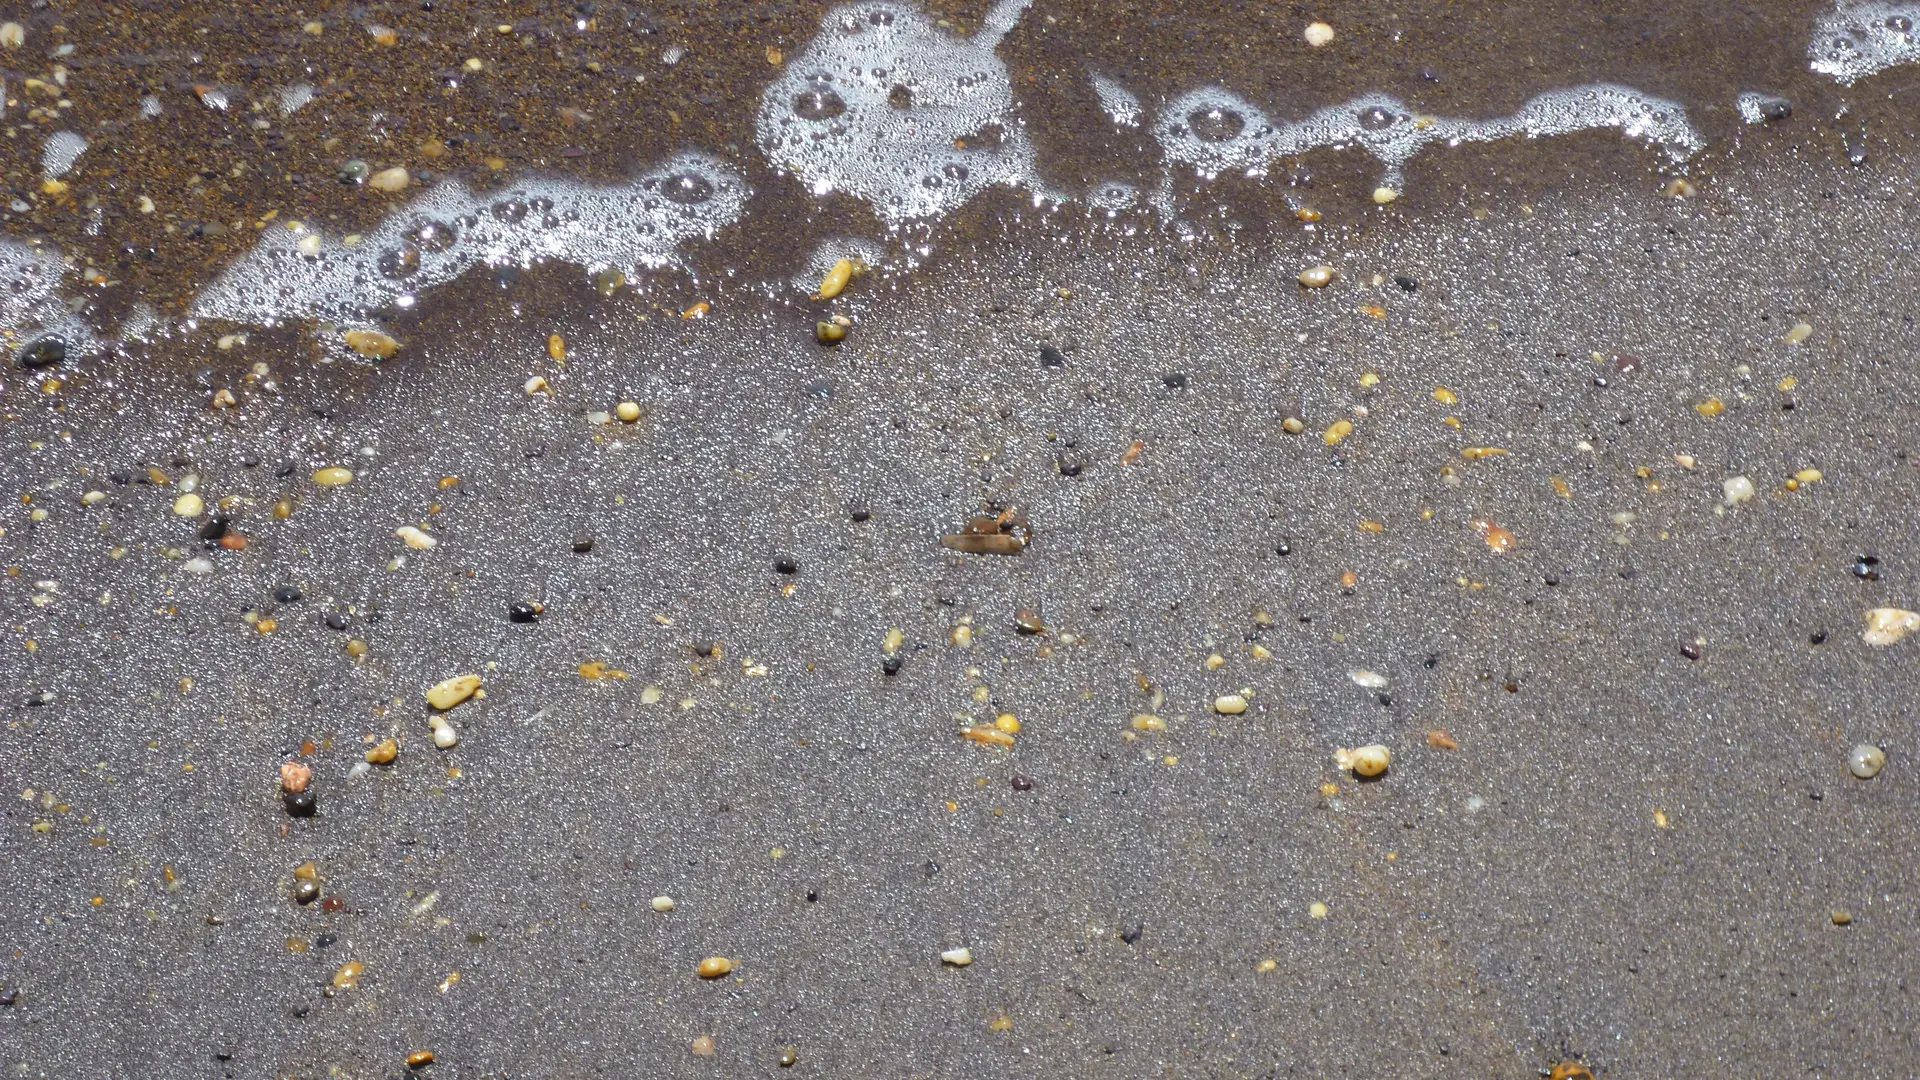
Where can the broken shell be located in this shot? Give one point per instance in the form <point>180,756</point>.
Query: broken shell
<point>1886,625</point>
<point>372,343</point>
<point>990,736</point>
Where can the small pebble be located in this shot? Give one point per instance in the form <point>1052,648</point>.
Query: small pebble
<point>1865,761</point>
<point>1365,761</point>
<point>663,904</point>
<point>415,538</point>
<point>189,505</point>
<point>836,279</point>
<point>306,892</point>
<point>384,752</point>
<point>332,476</point>
<point>1318,34</point>
<point>702,1046</point>
<point>347,976</point>
<point>286,594</point>
<point>829,333</point>
<point>444,736</point>
<point>1052,357</point>
<point>627,411</point>
<point>715,967</point>
<point>1317,277</point>
<point>294,777</point>
<point>1736,490</point>
<point>446,694</point>
<point>393,179</point>
<point>1230,704</point>
<point>789,1057</point>
<point>523,613</point>
<point>372,344</point>
<point>12,35</point>
<point>299,803</point>
<point>1318,910</point>
<point>419,1059</point>
<point>960,957</point>
<point>786,564</point>
<point>1841,916</point>
<point>44,353</point>
<point>1384,195</point>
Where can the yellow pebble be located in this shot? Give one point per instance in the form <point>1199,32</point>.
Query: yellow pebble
<point>1807,476</point>
<point>715,967</point>
<point>384,753</point>
<point>1008,723</point>
<point>836,279</point>
<point>557,347</point>
<point>1318,910</point>
<point>189,505</point>
<point>1338,432</point>
<point>446,694</point>
<point>1230,704</point>
<point>1445,396</point>
<point>1317,277</point>
<point>1148,722</point>
<point>333,476</point>
<point>1711,407</point>
<point>627,411</point>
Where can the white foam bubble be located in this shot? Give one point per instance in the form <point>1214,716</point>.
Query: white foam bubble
<point>1753,106</point>
<point>59,152</point>
<point>31,303</point>
<point>886,106</point>
<point>1117,100</point>
<point>294,98</point>
<point>1214,130</point>
<point>443,234</point>
<point>1856,39</point>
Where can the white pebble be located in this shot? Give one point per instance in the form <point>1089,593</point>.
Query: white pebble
<point>959,957</point>
<point>309,245</point>
<point>360,769</point>
<point>1866,760</point>
<point>393,179</point>
<point>1372,680</point>
<point>1736,489</point>
<point>415,539</point>
<point>663,904</point>
<point>1230,704</point>
<point>444,736</point>
<point>199,564</point>
<point>189,505</point>
<point>1318,34</point>
<point>12,35</point>
<point>1365,761</point>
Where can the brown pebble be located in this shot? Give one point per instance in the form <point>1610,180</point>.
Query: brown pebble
<point>978,544</point>
<point>1441,739</point>
<point>294,777</point>
<point>1571,1070</point>
<point>702,1046</point>
<point>1027,622</point>
<point>234,542</point>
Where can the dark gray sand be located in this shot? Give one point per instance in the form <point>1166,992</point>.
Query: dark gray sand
<point>1646,853</point>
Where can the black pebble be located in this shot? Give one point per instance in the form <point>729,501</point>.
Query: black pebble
<point>703,648</point>
<point>859,512</point>
<point>1856,154</point>
<point>786,564</point>
<point>1175,380</point>
<point>892,664</point>
<point>1690,651</point>
<point>298,803</point>
<point>1052,357</point>
<point>1131,935</point>
<point>1406,284</point>
<point>287,594</point>
<point>1020,782</point>
<point>1863,568</point>
<point>1068,466</point>
<point>1283,548</point>
<point>249,460</point>
<point>522,612</point>
<point>1776,110</point>
<point>213,529</point>
<point>582,543</point>
<point>305,892</point>
<point>1817,637</point>
<point>43,353</point>
<point>336,620</point>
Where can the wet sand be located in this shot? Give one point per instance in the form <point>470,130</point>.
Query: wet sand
<point>1634,859</point>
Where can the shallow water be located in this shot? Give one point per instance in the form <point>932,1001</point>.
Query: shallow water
<point>1632,860</point>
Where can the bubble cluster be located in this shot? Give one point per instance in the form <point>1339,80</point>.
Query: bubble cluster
<point>296,274</point>
<point>1215,130</point>
<point>32,307</point>
<point>59,152</point>
<point>1117,101</point>
<point>1856,40</point>
<point>887,107</point>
